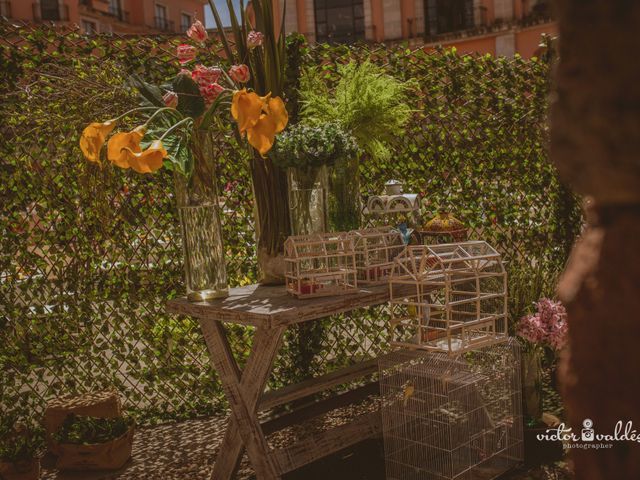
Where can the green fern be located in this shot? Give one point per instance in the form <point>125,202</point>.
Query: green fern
<point>369,104</point>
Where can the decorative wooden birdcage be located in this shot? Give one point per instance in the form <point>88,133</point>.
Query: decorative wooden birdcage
<point>448,297</point>
<point>375,249</point>
<point>320,265</point>
<point>452,417</point>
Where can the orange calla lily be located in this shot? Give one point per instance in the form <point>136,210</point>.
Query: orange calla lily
<point>149,160</point>
<point>246,108</point>
<point>117,144</point>
<point>260,117</point>
<point>278,112</point>
<point>93,137</point>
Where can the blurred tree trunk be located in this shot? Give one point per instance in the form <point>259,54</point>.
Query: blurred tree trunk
<point>596,146</point>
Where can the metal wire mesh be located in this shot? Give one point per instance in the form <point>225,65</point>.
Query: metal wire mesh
<point>452,417</point>
<point>89,256</point>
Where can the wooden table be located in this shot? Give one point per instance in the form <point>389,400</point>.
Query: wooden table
<point>271,311</point>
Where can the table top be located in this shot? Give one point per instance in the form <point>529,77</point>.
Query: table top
<point>270,306</point>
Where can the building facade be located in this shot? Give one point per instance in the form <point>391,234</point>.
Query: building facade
<point>105,16</point>
<point>498,27</point>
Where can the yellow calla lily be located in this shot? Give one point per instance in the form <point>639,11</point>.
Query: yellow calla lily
<point>278,112</point>
<point>260,117</point>
<point>149,160</point>
<point>246,108</point>
<point>93,137</point>
<point>116,146</point>
<point>263,134</point>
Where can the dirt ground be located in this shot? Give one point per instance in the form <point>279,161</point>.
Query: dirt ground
<point>187,450</point>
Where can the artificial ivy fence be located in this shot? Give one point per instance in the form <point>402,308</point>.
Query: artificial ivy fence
<point>89,255</point>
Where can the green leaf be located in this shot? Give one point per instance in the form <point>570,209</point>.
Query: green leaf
<point>180,157</point>
<point>190,102</point>
<point>150,94</point>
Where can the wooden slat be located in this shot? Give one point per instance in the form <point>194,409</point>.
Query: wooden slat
<point>318,384</point>
<point>269,306</point>
<point>320,445</point>
<point>322,383</point>
<point>320,407</point>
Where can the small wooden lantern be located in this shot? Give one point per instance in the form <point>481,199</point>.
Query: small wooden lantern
<point>375,250</point>
<point>320,265</point>
<point>448,297</point>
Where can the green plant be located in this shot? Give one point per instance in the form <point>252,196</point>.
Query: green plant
<point>369,103</point>
<point>18,443</point>
<point>304,146</point>
<point>80,430</point>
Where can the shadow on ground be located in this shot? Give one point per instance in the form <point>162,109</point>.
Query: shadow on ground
<point>187,450</point>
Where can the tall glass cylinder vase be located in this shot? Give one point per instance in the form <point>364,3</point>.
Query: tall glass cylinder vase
<point>308,200</point>
<point>199,212</point>
<point>532,384</point>
<point>344,195</point>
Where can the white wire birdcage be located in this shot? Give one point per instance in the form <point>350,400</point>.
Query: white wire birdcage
<point>453,417</point>
<point>376,248</point>
<point>448,297</point>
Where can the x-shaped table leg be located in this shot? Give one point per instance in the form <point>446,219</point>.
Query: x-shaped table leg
<point>243,391</point>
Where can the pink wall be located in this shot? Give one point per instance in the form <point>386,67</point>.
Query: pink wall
<point>527,40</point>
<point>480,45</point>
<point>21,10</point>
<point>141,12</point>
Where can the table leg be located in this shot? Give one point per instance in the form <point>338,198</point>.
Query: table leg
<point>243,391</point>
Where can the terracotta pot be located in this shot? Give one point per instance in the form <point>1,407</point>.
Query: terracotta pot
<point>29,470</point>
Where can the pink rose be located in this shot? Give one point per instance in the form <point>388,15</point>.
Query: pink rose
<point>185,53</point>
<point>239,73</point>
<point>254,39</point>
<point>197,32</point>
<point>184,71</point>
<point>204,76</point>
<point>170,99</point>
<point>210,92</point>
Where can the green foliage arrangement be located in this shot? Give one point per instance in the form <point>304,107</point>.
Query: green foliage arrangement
<point>18,443</point>
<point>306,146</point>
<point>81,430</point>
<point>369,103</point>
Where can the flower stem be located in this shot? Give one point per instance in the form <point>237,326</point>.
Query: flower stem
<point>137,109</point>
<point>175,126</point>
<point>158,111</point>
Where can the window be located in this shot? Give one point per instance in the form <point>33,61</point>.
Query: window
<point>443,16</point>
<point>50,10</point>
<point>185,22</point>
<point>161,17</point>
<point>339,21</point>
<point>89,27</point>
<point>115,9</point>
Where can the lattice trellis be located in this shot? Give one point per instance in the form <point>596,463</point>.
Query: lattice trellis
<point>89,256</point>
